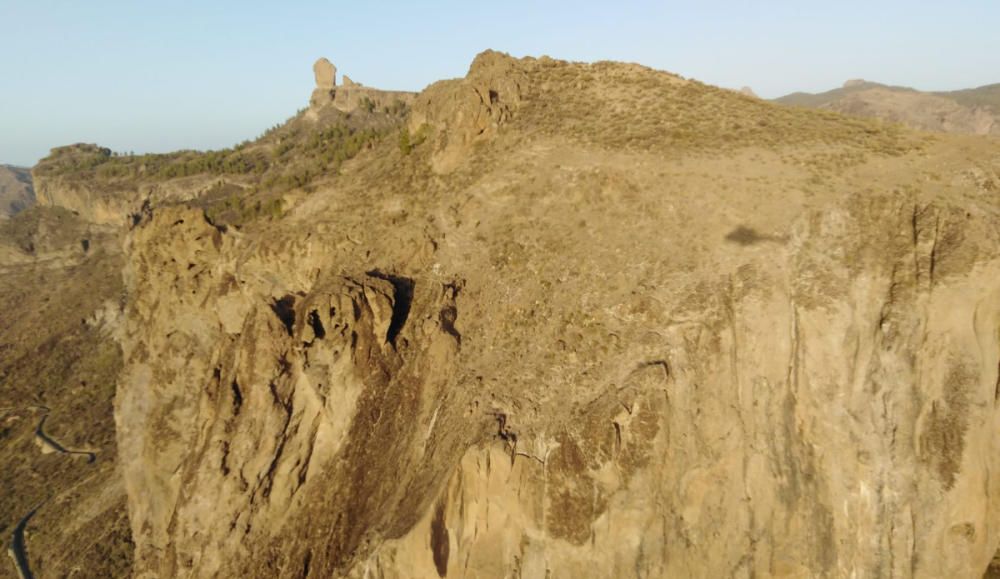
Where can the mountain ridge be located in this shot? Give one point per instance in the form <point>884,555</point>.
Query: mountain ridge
<point>551,319</point>
<point>971,111</point>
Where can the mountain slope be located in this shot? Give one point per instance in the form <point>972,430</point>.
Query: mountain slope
<point>972,111</point>
<point>577,320</point>
<point>60,292</point>
<point>550,319</point>
<point>16,192</point>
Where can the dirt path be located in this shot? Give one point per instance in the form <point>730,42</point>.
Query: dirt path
<point>17,550</point>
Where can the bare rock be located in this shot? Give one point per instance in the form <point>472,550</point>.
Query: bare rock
<point>57,184</point>
<point>350,95</point>
<point>472,109</point>
<point>326,74</point>
<point>326,82</point>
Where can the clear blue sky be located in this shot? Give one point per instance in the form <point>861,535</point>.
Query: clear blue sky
<point>158,76</point>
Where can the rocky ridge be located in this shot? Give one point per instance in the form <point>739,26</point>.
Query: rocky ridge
<point>350,95</point>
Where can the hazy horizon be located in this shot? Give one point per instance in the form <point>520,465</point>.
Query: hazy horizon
<point>186,75</point>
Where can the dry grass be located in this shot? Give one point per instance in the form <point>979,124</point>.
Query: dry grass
<point>637,108</point>
<point>51,356</point>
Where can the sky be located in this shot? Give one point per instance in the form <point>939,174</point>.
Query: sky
<point>149,76</point>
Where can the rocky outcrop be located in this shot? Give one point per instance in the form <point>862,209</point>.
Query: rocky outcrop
<point>326,74</point>
<point>326,81</point>
<point>96,204</point>
<point>470,110</point>
<point>776,369</point>
<point>101,202</point>
<point>336,360</point>
<point>351,96</point>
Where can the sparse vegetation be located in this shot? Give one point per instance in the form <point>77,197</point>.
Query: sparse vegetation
<point>236,209</point>
<point>407,142</point>
<point>286,157</point>
<point>51,354</point>
<point>642,108</point>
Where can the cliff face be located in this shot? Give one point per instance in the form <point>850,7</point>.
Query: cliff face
<point>101,202</point>
<point>599,321</point>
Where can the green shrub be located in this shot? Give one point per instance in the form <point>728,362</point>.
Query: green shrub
<point>404,141</point>
<point>407,142</point>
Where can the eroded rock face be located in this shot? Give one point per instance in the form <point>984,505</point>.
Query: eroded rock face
<point>331,381</point>
<point>101,202</point>
<point>472,109</point>
<point>763,431</point>
<point>561,359</point>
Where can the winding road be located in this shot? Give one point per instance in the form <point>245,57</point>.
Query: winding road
<point>49,444</point>
<point>18,550</point>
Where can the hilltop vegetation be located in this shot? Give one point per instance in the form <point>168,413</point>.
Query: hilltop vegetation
<point>640,108</point>
<point>252,176</point>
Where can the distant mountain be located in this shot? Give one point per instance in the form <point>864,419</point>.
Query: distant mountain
<point>16,190</point>
<point>971,111</point>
